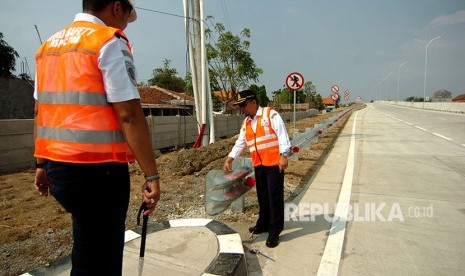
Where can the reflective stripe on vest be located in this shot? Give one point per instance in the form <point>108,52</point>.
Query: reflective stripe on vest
<point>73,97</point>
<point>75,123</point>
<point>263,144</point>
<point>80,136</point>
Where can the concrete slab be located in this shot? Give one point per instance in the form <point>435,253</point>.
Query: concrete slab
<point>176,247</point>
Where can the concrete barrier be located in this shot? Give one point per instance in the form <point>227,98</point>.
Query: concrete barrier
<point>437,106</point>
<point>16,144</point>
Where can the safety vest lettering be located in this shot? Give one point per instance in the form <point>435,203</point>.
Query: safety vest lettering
<point>71,35</point>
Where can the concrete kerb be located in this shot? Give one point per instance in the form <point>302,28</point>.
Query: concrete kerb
<point>230,259</point>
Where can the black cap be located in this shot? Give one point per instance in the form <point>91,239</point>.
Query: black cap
<point>244,95</point>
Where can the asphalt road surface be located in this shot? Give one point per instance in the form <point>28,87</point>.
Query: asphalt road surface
<point>407,201</point>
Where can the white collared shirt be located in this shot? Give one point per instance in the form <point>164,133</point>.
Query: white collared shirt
<point>114,65</point>
<point>278,126</point>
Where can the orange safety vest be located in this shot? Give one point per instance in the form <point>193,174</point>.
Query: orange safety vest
<point>75,123</point>
<point>263,144</point>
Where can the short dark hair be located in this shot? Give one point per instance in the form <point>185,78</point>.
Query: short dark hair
<point>100,5</point>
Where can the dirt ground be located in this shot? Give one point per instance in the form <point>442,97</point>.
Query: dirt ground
<point>35,231</point>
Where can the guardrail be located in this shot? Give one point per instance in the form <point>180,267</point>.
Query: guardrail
<point>311,135</point>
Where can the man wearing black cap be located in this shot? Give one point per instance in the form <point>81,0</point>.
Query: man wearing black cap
<point>264,133</point>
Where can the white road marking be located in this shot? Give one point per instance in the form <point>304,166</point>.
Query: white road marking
<point>329,264</point>
<point>421,128</point>
<point>410,124</point>
<point>443,137</point>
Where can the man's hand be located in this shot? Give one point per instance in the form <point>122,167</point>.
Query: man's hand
<point>228,164</point>
<point>151,195</point>
<point>283,163</point>
<point>41,182</point>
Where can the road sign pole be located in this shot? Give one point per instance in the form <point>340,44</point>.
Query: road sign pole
<point>294,82</point>
<point>295,92</point>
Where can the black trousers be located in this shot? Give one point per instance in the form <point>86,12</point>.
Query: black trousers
<point>97,196</point>
<point>270,193</point>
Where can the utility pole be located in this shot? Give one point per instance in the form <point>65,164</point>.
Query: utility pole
<point>199,70</point>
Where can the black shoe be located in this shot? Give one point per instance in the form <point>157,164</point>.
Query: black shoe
<point>272,241</point>
<point>256,230</point>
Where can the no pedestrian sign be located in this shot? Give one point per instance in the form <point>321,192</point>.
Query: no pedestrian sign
<point>294,81</point>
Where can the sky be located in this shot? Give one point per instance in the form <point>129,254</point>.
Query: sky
<point>357,44</point>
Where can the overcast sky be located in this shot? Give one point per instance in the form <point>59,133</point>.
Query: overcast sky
<point>353,43</point>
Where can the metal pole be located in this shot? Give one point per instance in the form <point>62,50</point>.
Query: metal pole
<point>398,75</point>
<point>387,76</point>
<point>426,64</point>
<point>295,92</point>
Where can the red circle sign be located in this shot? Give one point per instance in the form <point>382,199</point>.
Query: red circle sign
<point>294,81</point>
<point>335,88</point>
<point>335,96</point>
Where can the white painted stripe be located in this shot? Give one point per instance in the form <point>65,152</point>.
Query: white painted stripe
<point>410,124</point>
<point>130,235</point>
<point>421,128</point>
<point>262,138</point>
<point>443,137</point>
<point>230,243</point>
<point>401,120</point>
<point>264,146</point>
<point>463,145</point>
<point>329,264</point>
<point>189,222</point>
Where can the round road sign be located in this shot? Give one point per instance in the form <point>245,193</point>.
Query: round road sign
<point>346,92</point>
<point>294,81</point>
<point>335,88</point>
<point>335,96</point>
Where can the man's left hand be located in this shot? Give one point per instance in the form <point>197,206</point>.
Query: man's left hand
<point>283,163</point>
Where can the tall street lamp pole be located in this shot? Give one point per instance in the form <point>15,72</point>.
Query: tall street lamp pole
<point>426,64</point>
<point>387,76</point>
<point>398,75</point>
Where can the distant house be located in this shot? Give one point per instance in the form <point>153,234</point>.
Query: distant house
<point>159,101</point>
<point>228,98</point>
<point>328,101</point>
<point>459,99</point>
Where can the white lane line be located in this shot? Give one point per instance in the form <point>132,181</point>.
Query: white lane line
<point>463,145</point>
<point>329,264</point>
<point>421,128</point>
<point>443,137</point>
<point>410,124</point>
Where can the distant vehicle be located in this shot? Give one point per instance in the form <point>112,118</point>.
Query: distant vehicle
<point>371,101</point>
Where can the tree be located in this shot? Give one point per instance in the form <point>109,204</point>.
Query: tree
<point>167,78</point>
<point>8,57</point>
<point>312,95</point>
<point>231,65</point>
<point>414,99</point>
<point>262,98</point>
<point>442,96</point>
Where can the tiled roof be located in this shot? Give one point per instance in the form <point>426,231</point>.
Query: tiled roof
<point>158,95</point>
<point>328,101</point>
<point>222,95</point>
<point>459,98</point>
